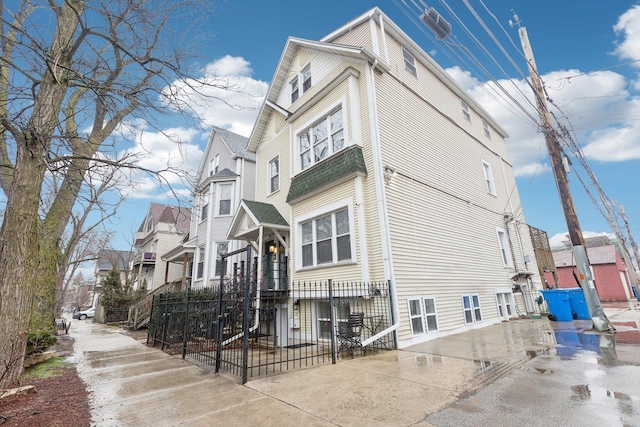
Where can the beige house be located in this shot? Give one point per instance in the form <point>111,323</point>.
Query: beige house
<point>374,165</point>
<point>163,227</point>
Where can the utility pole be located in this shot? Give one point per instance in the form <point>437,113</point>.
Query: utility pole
<point>600,321</point>
<point>632,242</point>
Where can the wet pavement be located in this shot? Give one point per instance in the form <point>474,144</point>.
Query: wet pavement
<point>528,372</point>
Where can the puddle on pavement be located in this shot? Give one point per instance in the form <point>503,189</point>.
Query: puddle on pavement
<point>428,360</point>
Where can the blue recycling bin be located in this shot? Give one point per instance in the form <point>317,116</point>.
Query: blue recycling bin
<point>559,304</point>
<point>579,307</point>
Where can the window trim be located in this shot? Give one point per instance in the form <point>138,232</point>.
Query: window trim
<point>504,247</point>
<point>216,273</point>
<point>316,214</point>
<point>490,183</point>
<point>409,66</point>
<point>298,82</point>
<point>473,309</point>
<point>307,127</point>
<point>427,314</point>
<point>270,183</point>
<point>487,130</point>
<point>204,212</point>
<point>416,315</point>
<point>200,264</point>
<point>509,305</point>
<point>218,199</point>
<point>466,111</point>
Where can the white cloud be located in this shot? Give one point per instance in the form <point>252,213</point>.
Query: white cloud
<point>628,27</point>
<point>225,95</point>
<point>594,106</point>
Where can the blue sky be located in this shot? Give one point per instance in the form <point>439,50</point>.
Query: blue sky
<point>585,51</point>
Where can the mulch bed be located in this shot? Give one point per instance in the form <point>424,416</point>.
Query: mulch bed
<point>58,401</point>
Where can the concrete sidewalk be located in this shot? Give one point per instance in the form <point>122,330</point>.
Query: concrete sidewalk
<point>134,385</point>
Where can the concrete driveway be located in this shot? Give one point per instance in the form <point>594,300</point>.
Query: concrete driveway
<point>529,372</point>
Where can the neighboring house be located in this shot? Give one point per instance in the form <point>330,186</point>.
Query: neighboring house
<point>609,272</point>
<point>373,165</point>
<point>108,259</point>
<point>162,229</point>
<point>226,175</point>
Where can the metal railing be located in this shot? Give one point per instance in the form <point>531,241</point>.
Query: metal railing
<point>270,332</point>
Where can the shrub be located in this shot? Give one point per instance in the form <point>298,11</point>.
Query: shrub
<point>39,341</point>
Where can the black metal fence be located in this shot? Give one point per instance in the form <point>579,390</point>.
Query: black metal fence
<point>271,331</point>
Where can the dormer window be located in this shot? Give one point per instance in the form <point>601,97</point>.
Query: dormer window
<point>305,78</point>
<point>295,91</point>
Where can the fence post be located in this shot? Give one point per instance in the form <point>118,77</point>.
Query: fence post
<point>245,319</point>
<point>185,335</point>
<point>155,326</point>
<point>332,323</point>
<point>220,328</point>
<point>164,320</point>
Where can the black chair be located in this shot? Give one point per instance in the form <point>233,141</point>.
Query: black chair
<point>350,334</point>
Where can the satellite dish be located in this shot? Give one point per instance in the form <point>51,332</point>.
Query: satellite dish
<point>436,23</point>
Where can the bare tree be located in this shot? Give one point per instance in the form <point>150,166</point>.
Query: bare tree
<point>71,72</point>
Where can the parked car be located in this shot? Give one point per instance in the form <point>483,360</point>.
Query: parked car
<point>85,313</point>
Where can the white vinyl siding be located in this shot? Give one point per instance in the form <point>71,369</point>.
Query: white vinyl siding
<point>488,178</point>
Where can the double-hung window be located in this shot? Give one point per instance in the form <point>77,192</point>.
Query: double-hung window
<point>409,62</point>
<point>485,127</point>
<point>274,175</point>
<point>503,244</point>
<point>422,313</point>
<point>465,110</point>
<point>321,140</point>
<point>326,239</point>
<point>488,178</point>
<point>471,307</point>
<point>205,212</point>
<point>200,266</point>
<point>305,78</point>
<point>415,316</point>
<point>224,199</point>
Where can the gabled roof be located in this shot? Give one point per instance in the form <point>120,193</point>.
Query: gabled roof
<point>108,258</point>
<point>280,76</point>
<point>236,144</point>
<point>597,255</point>
<point>259,214</point>
<point>354,52</point>
<point>180,217</point>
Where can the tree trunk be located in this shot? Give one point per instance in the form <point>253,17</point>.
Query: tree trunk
<point>18,260</point>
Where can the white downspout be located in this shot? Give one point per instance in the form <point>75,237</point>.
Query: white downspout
<point>382,206</point>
